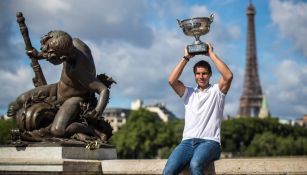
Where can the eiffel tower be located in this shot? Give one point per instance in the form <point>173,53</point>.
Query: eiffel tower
<point>250,101</point>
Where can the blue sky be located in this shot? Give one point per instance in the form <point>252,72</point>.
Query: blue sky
<point>138,43</point>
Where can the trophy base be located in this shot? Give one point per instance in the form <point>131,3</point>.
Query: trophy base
<point>197,49</point>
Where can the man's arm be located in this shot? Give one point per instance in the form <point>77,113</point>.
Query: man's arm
<point>226,74</point>
<point>173,79</point>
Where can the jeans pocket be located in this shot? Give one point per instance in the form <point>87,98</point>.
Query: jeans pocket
<point>216,144</point>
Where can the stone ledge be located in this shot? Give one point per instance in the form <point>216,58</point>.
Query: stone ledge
<point>53,159</point>
<point>274,166</point>
<point>47,151</point>
<point>141,166</point>
<point>262,166</point>
<point>49,166</point>
<point>280,166</point>
<point>9,165</point>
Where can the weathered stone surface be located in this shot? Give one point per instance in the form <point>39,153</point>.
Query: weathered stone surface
<point>51,165</point>
<point>53,159</point>
<point>141,166</point>
<point>224,166</point>
<point>262,166</point>
<point>55,151</point>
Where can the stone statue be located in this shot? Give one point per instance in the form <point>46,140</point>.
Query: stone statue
<point>67,109</point>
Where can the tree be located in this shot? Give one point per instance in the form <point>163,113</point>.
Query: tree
<point>146,136</point>
<point>137,137</point>
<point>170,134</point>
<point>5,128</point>
<point>269,144</point>
<point>262,137</point>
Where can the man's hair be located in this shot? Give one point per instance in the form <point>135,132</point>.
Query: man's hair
<point>204,64</point>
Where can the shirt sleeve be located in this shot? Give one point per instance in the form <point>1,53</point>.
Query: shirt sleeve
<point>218,90</point>
<point>187,94</point>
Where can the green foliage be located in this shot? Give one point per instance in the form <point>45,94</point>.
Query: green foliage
<point>5,128</point>
<point>146,136</point>
<point>262,137</point>
<point>268,144</point>
<point>169,135</point>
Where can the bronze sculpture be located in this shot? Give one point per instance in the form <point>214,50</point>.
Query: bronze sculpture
<point>68,108</point>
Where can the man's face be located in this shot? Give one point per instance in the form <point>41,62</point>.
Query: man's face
<point>202,77</point>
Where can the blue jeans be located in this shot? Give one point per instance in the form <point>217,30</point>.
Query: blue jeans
<point>198,153</point>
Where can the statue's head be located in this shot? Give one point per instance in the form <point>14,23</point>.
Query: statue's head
<point>56,46</point>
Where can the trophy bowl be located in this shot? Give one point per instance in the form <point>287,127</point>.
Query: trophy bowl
<point>196,27</point>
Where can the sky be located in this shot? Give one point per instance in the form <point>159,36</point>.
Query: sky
<point>138,43</point>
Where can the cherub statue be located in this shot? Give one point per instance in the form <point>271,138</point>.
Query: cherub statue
<point>69,107</point>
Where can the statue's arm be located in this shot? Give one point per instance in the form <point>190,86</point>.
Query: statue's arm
<point>35,54</point>
<point>104,94</point>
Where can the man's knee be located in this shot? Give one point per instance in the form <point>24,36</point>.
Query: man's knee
<point>196,166</point>
<point>169,171</point>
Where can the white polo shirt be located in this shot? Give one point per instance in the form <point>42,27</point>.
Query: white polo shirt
<point>203,113</point>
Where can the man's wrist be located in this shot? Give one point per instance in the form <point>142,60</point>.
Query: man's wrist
<point>186,58</point>
<point>211,54</point>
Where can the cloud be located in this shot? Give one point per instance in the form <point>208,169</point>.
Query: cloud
<point>199,11</point>
<point>143,73</point>
<point>140,72</point>
<point>139,54</point>
<point>287,97</point>
<point>139,47</point>
<point>19,81</point>
<point>8,48</point>
<point>54,6</point>
<point>13,83</point>
<point>291,19</point>
<point>97,20</point>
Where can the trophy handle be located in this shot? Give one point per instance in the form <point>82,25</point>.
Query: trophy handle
<point>211,18</point>
<point>179,23</point>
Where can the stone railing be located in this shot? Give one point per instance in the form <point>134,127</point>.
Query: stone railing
<point>71,160</point>
<point>224,166</point>
<point>280,166</point>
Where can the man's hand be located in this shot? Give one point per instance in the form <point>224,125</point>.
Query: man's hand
<point>187,55</point>
<point>210,50</point>
<point>226,74</point>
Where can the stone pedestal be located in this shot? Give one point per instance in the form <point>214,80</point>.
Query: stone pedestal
<point>50,158</point>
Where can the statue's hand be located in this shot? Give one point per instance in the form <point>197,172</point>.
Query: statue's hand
<point>11,112</point>
<point>33,53</point>
<point>92,114</point>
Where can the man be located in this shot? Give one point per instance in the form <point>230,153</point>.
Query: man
<point>77,84</point>
<point>204,105</point>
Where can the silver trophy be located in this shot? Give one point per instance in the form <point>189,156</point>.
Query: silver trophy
<point>196,27</point>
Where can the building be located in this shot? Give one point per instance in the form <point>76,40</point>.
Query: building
<point>302,122</point>
<point>118,116</point>
<point>264,110</point>
<point>164,114</point>
<point>305,121</point>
